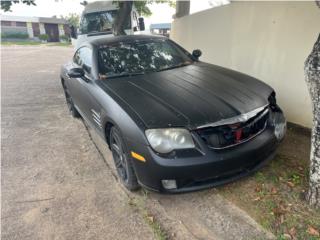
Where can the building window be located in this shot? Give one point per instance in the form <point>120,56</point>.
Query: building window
<point>5,23</point>
<point>21,24</point>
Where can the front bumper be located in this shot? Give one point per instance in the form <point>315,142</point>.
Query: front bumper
<point>204,167</point>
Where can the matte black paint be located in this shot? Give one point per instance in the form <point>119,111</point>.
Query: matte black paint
<point>187,97</point>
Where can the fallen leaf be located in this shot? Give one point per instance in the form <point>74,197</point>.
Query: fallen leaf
<point>278,211</point>
<point>290,184</point>
<point>150,218</point>
<point>257,199</point>
<point>286,236</point>
<point>258,189</point>
<point>274,190</point>
<point>281,219</point>
<point>293,232</point>
<point>312,231</point>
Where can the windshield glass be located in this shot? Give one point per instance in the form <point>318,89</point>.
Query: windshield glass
<point>99,22</point>
<point>140,57</point>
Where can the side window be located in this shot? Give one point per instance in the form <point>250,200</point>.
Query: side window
<point>86,56</point>
<point>83,58</point>
<point>76,57</point>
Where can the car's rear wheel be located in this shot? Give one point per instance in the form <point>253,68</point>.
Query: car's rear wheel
<point>121,160</point>
<point>73,111</point>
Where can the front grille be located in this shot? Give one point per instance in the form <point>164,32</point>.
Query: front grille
<point>225,136</point>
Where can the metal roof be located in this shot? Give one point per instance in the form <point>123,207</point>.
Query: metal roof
<point>33,19</point>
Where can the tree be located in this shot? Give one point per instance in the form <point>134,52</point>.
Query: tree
<point>312,72</point>
<point>73,19</point>
<point>6,5</point>
<point>125,8</point>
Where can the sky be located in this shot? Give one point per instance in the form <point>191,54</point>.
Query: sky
<point>161,13</point>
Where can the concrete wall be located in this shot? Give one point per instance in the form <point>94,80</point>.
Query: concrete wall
<point>268,40</point>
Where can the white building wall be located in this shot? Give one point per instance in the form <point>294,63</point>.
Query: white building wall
<point>268,40</point>
<point>41,28</point>
<point>61,30</point>
<point>30,29</point>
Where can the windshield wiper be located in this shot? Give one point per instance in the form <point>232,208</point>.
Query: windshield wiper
<point>125,75</point>
<point>175,66</point>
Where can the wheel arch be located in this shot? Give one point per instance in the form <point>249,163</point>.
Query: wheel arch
<point>62,80</point>
<point>107,129</point>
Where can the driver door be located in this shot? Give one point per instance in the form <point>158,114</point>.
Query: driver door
<point>80,86</point>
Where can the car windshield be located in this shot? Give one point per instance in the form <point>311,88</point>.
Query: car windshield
<point>99,22</point>
<point>139,57</point>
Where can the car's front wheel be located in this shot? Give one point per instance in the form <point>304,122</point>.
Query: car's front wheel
<point>121,160</point>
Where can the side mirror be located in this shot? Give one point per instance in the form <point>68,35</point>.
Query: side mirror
<point>196,53</point>
<point>141,24</point>
<point>76,73</point>
<point>73,32</point>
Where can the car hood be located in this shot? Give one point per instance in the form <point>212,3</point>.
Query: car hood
<point>189,96</point>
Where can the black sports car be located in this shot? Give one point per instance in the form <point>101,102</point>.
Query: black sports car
<point>173,123</point>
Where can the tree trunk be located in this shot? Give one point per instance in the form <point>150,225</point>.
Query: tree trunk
<point>312,72</point>
<point>124,13</point>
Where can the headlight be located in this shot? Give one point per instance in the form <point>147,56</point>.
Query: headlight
<point>167,139</point>
<point>280,124</point>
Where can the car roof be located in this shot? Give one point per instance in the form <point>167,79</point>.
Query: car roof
<point>125,38</point>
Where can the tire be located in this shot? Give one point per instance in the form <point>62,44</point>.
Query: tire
<point>73,111</point>
<point>122,161</point>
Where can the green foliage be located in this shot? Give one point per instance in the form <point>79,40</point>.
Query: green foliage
<point>144,10</point>
<point>172,3</point>
<point>6,5</point>
<point>15,35</point>
<point>73,19</point>
<point>43,37</point>
<point>64,38</point>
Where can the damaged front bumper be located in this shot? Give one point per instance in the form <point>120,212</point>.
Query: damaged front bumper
<point>205,167</point>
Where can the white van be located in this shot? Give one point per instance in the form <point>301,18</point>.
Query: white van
<point>97,22</point>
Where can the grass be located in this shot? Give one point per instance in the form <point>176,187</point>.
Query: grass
<point>19,43</point>
<point>22,43</point>
<point>151,220</point>
<point>275,196</point>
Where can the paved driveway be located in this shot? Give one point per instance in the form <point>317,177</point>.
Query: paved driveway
<point>56,185</point>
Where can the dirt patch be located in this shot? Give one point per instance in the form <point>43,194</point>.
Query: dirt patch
<point>275,196</point>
